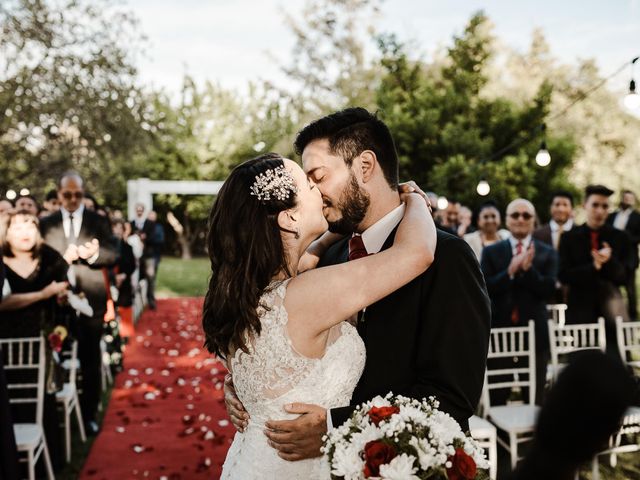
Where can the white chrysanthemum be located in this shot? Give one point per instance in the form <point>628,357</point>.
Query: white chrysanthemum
<point>347,462</point>
<point>400,468</point>
<point>472,449</point>
<point>368,434</point>
<point>378,402</point>
<point>427,455</point>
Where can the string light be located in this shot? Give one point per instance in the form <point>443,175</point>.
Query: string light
<point>11,194</point>
<point>483,188</point>
<point>24,191</point>
<point>442,203</point>
<point>632,99</point>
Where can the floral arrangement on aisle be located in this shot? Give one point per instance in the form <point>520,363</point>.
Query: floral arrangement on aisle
<point>399,438</point>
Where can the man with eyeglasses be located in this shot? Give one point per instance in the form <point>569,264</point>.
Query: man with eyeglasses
<point>594,263</point>
<point>83,238</point>
<point>521,275</point>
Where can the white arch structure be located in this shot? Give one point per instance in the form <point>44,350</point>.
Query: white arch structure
<point>141,190</point>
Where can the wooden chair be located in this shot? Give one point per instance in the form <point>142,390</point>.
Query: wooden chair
<point>567,339</point>
<point>485,435</point>
<point>68,398</point>
<point>518,420</point>
<point>26,355</point>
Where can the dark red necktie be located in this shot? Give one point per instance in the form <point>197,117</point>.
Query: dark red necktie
<point>595,240</point>
<point>356,248</point>
<point>515,314</point>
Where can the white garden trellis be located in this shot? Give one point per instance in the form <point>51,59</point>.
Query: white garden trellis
<point>141,190</point>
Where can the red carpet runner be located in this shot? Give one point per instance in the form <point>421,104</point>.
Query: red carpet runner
<point>166,418</point>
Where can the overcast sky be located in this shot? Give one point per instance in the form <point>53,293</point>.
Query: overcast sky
<point>228,40</point>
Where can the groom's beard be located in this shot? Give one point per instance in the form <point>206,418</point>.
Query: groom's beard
<point>353,205</point>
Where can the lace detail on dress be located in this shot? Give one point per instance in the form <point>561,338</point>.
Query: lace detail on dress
<point>272,374</point>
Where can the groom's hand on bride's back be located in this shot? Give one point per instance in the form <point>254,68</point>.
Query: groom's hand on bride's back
<point>299,438</point>
<point>238,415</point>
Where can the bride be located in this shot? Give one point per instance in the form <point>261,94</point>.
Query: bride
<point>283,334</point>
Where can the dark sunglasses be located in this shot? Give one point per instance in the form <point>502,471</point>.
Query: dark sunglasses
<point>524,215</point>
<point>70,195</point>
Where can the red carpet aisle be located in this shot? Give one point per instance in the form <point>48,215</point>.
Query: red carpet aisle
<point>166,418</point>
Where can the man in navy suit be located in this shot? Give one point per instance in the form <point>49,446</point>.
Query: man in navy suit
<point>521,275</point>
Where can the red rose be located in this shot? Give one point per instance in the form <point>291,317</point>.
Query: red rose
<point>377,453</point>
<point>55,342</point>
<point>463,467</point>
<point>377,414</point>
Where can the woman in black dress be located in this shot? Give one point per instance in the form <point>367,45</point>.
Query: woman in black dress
<point>35,276</point>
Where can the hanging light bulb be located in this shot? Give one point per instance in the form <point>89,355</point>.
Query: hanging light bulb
<point>543,158</point>
<point>24,191</point>
<point>632,99</point>
<point>11,194</point>
<point>442,203</point>
<point>483,188</point>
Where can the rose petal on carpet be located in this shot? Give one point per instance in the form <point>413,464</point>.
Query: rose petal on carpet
<point>166,417</point>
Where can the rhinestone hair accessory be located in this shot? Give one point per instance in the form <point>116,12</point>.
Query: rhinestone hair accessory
<point>274,183</point>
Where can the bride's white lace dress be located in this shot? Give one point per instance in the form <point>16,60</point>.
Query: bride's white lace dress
<point>273,374</point>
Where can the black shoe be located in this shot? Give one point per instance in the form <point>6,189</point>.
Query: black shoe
<point>152,304</point>
<point>91,428</point>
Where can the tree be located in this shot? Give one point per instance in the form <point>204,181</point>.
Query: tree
<point>449,134</point>
<point>203,137</point>
<point>68,95</point>
<point>330,65</point>
<point>606,136</point>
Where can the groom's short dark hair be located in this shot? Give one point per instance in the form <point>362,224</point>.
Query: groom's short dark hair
<point>350,132</point>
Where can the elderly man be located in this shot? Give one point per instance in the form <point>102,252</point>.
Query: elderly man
<point>83,238</point>
<point>521,275</point>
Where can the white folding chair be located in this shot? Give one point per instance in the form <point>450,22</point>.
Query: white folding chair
<point>630,428</point>
<point>628,336</point>
<point>517,420</point>
<point>568,339</point>
<point>26,355</point>
<point>558,313</point>
<point>485,435</point>
<point>68,398</point>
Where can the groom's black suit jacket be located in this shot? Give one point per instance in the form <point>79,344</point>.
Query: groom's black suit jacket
<point>429,337</point>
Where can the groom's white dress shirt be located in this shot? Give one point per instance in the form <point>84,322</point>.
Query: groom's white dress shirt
<point>373,239</point>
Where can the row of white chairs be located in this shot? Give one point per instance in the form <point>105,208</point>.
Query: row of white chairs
<point>518,420</point>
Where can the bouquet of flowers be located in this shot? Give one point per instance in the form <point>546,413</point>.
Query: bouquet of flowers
<point>399,438</point>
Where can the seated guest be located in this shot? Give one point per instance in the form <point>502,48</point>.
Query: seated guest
<point>489,231</point>
<point>521,274</point>
<point>28,203</point>
<point>561,211</point>
<point>627,218</point>
<point>35,275</point>
<point>594,263</point>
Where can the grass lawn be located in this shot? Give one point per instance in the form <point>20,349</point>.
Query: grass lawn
<point>182,278</point>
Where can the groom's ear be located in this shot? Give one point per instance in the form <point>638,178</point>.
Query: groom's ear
<point>368,163</point>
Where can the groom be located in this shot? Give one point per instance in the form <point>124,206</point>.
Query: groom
<point>430,337</point>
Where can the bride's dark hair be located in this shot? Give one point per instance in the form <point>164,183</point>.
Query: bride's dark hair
<point>246,251</point>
